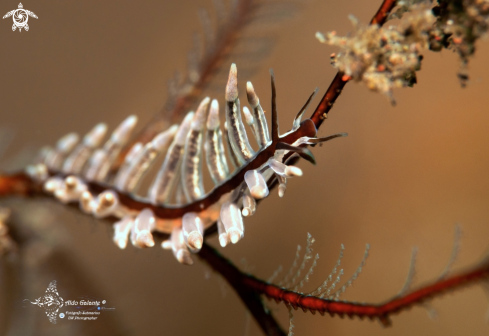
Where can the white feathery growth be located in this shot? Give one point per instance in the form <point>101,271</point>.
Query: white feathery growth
<point>308,274</point>
<point>305,260</point>
<point>275,274</point>
<point>332,287</point>
<point>432,312</point>
<point>291,321</point>
<point>323,287</point>
<point>292,268</point>
<point>455,253</point>
<point>355,275</point>
<point>411,274</point>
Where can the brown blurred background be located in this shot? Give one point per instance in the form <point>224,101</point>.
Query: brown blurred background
<point>403,177</point>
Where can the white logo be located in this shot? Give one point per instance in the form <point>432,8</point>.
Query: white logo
<point>20,17</point>
<point>51,302</point>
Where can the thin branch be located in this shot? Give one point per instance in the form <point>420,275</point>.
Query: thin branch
<point>340,80</point>
<point>247,294</point>
<point>382,312</point>
<point>16,184</point>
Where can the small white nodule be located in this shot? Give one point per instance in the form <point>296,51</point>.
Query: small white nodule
<point>281,190</point>
<point>246,212</point>
<point>121,231</point>
<point>249,206</point>
<point>248,116</point>
<point>223,235</point>
<point>291,171</point>
<point>193,230</point>
<point>166,244</point>
<point>277,166</point>
<point>87,202</point>
<point>234,235</point>
<point>70,190</point>
<point>232,85</point>
<point>52,184</point>
<point>107,204</point>
<point>257,184</point>
<point>143,225</point>
<point>179,248</point>
<point>233,221</point>
<point>252,97</point>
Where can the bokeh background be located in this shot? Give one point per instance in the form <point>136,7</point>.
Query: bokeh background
<point>404,177</point>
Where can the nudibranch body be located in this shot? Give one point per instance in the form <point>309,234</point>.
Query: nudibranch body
<point>176,202</point>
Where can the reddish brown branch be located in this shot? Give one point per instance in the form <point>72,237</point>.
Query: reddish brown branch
<point>384,10</point>
<point>247,294</point>
<point>340,80</point>
<point>242,282</point>
<point>15,184</point>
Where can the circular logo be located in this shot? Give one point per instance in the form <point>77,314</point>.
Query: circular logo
<point>103,302</point>
<point>20,16</point>
<point>62,315</point>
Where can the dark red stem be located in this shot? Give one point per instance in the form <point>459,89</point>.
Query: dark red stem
<point>244,282</point>
<point>248,294</point>
<point>340,80</point>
